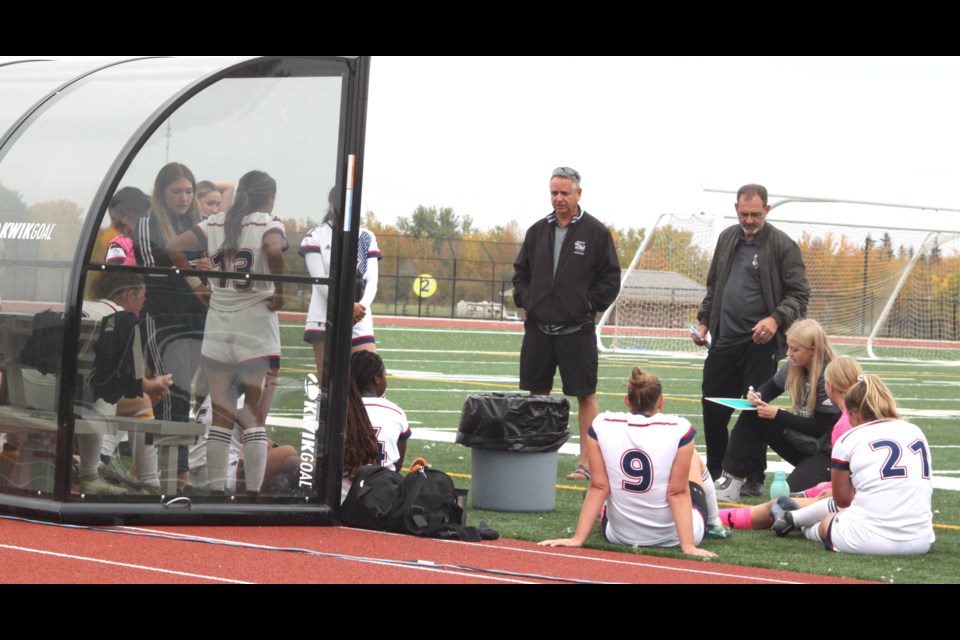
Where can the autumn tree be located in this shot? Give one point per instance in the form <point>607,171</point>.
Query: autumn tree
<point>628,241</point>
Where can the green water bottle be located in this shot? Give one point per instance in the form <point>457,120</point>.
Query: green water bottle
<point>779,487</point>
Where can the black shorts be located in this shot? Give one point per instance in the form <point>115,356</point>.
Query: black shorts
<point>698,499</point>
<point>575,354</point>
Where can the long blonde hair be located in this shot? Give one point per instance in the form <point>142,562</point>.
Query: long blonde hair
<point>808,334</point>
<point>203,188</point>
<point>843,372</point>
<point>871,400</point>
<point>168,174</point>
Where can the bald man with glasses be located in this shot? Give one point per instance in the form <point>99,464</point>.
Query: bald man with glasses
<point>567,272</point>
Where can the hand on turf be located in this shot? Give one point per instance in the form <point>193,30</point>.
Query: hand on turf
<point>564,542</point>
<point>703,553</point>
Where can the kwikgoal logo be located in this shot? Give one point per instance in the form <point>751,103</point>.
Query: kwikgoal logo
<point>308,431</point>
<point>26,231</point>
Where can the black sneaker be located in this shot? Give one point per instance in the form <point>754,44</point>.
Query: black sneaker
<point>783,525</point>
<point>782,512</point>
<point>752,488</point>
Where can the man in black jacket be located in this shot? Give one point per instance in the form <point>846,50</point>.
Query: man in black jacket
<point>566,273</point>
<point>756,288</point>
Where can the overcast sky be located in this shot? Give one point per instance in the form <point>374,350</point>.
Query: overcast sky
<point>482,135</point>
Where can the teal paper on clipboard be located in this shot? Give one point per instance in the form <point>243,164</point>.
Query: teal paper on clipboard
<point>735,403</point>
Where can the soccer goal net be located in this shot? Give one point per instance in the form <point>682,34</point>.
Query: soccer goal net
<point>879,292</point>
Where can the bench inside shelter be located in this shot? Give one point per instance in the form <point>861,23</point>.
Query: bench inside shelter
<point>29,419</point>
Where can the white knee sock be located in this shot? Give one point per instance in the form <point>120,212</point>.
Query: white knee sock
<point>88,446</point>
<point>254,457</point>
<point>713,511</point>
<point>218,456</point>
<point>813,513</point>
<point>145,455</point>
<point>812,533</point>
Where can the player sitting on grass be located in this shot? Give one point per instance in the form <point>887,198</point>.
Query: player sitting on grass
<point>389,422</point>
<point>647,480</point>
<point>841,374</point>
<point>881,476</point>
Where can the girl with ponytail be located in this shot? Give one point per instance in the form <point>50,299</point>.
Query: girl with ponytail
<point>646,479</point>
<point>241,343</point>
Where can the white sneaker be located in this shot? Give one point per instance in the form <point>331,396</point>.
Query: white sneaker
<point>101,487</point>
<point>728,487</point>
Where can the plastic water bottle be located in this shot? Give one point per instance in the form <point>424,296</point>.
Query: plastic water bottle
<point>779,488</point>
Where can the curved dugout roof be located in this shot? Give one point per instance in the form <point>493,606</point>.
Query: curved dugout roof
<point>73,131</point>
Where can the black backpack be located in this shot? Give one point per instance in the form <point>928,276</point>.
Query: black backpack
<point>375,496</point>
<point>422,504</point>
<point>429,504</point>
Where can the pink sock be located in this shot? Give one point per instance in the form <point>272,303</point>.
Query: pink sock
<point>813,492</point>
<point>736,518</point>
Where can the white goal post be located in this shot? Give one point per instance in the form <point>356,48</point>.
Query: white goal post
<point>880,292</point>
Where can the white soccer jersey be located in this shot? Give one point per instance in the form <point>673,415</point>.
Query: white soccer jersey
<point>99,309</point>
<point>890,467</point>
<point>316,249</point>
<point>638,452</point>
<point>233,295</point>
<point>389,422</point>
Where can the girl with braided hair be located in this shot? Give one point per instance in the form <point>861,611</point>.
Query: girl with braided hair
<point>241,343</point>
<point>360,444</point>
<point>389,422</point>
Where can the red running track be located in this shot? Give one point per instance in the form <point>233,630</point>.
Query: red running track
<point>46,553</point>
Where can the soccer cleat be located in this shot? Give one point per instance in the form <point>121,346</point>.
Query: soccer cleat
<point>112,471</point>
<point>728,487</point>
<point>788,504</point>
<point>101,487</point>
<point>718,532</point>
<point>783,525</point>
<point>149,490</point>
<point>781,511</point>
<point>752,488</point>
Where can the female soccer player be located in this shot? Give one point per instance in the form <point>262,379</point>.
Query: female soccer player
<point>646,477</point>
<point>241,342</point>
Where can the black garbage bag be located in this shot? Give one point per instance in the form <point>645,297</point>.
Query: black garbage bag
<point>514,422</point>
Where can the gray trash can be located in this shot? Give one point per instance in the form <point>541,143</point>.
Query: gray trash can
<point>514,439</point>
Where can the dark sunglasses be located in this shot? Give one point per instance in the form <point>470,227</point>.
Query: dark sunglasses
<point>566,171</point>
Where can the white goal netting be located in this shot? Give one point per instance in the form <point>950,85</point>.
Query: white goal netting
<point>879,292</point>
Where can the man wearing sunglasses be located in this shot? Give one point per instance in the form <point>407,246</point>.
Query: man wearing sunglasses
<point>566,273</point>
